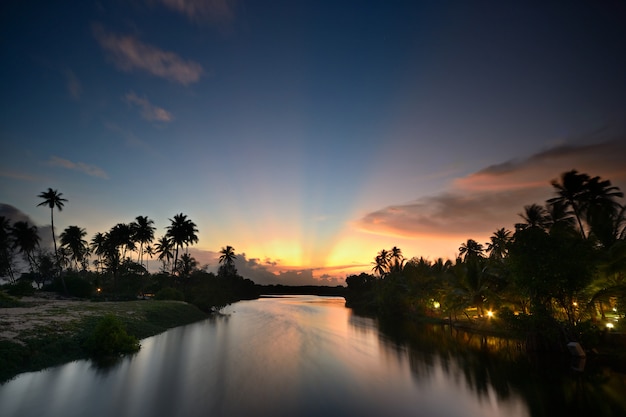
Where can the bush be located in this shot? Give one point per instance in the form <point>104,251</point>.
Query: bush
<point>78,287</point>
<point>109,338</point>
<point>21,288</point>
<point>169,294</point>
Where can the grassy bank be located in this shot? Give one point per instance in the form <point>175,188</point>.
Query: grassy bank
<point>51,333</point>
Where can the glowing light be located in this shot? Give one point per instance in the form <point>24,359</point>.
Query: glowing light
<point>98,290</point>
<point>609,325</point>
<point>490,313</point>
<point>575,304</point>
<point>436,304</point>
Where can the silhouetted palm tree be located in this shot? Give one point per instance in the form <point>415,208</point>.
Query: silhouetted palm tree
<point>471,249</point>
<point>381,263</point>
<point>227,261</point>
<point>97,247</point>
<point>143,232</point>
<point>149,250</point>
<point>181,231</point>
<point>534,216</point>
<point>164,247</point>
<point>497,248</point>
<point>52,198</point>
<point>72,238</point>
<point>572,192</point>
<point>396,260</point>
<point>121,236</point>
<point>26,240</point>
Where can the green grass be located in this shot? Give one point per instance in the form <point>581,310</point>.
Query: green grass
<point>55,344</point>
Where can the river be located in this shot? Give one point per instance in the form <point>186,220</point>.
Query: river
<point>311,356</point>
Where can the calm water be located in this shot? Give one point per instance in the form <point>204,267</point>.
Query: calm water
<point>310,356</point>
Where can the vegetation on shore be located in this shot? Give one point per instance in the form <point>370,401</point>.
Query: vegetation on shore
<point>559,277</point>
<point>59,342</point>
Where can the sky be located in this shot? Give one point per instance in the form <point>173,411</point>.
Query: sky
<point>308,135</point>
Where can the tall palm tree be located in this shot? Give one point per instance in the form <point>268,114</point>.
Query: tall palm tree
<point>572,191</point>
<point>143,233</point>
<point>181,231</point>
<point>26,240</point>
<point>471,250</point>
<point>121,236</point>
<point>73,239</point>
<point>534,216</point>
<point>227,261</point>
<point>381,263</point>
<point>164,247</point>
<point>97,247</point>
<point>149,250</point>
<point>52,198</point>
<point>500,239</point>
<point>396,260</point>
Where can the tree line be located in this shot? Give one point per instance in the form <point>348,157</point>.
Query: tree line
<point>119,258</point>
<point>560,274</point>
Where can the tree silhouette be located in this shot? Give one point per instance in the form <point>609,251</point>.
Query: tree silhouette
<point>500,239</point>
<point>6,250</point>
<point>164,248</point>
<point>227,261</point>
<point>181,231</point>
<point>572,192</point>
<point>143,233</point>
<point>52,198</point>
<point>72,238</point>
<point>26,240</point>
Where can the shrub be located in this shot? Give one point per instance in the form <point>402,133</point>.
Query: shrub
<point>169,294</point>
<point>21,288</point>
<point>109,338</point>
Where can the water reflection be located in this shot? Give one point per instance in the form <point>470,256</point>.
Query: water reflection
<point>304,356</point>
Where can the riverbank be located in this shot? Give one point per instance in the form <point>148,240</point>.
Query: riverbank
<point>43,331</point>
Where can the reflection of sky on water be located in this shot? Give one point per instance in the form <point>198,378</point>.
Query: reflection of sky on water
<point>266,357</point>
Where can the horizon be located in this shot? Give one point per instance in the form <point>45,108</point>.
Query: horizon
<point>308,136</point>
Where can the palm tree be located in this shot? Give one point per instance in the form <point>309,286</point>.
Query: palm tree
<point>181,231</point>
<point>471,249</point>
<point>149,250</point>
<point>396,260</point>
<point>227,261</point>
<point>121,236</point>
<point>26,240</point>
<point>500,239</point>
<point>164,248</point>
<point>72,238</point>
<point>381,263</point>
<point>143,232</point>
<point>571,192</point>
<point>52,198</point>
<point>97,247</point>
<point>534,216</point>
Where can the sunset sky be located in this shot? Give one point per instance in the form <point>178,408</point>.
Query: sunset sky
<point>308,135</point>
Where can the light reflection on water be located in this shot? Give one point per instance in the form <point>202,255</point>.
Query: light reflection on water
<point>292,356</point>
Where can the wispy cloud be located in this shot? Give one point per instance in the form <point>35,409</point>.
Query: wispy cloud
<point>22,176</point>
<point>129,54</point>
<point>88,169</point>
<point>148,110</point>
<point>212,11</point>
<point>74,87</point>
<point>492,197</point>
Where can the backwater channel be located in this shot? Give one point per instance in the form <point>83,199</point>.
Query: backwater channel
<point>311,356</point>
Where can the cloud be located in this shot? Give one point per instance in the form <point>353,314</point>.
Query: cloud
<point>14,214</point>
<point>74,87</point>
<point>148,110</point>
<point>212,11</point>
<point>19,176</point>
<point>91,170</point>
<point>491,198</point>
<point>129,54</point>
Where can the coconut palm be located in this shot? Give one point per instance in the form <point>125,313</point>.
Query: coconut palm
<point>381,263</point>
<point>143,233</point>
<point>73,239</point>
<point>227,261</point>
<point>471,250</point>
<point>572,191</point>
<point>26,240</point>
<point>121,237</point>
<point>164,247</point>
<point>534,216</point>
<point>97,247</point>
<point>181,231</point>
<point>52,198</point>
<point>149,250</point>
<point>396,260</point>
<point>498,246</point>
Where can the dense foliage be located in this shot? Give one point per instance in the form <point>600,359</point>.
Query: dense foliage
<point>559,277</point>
